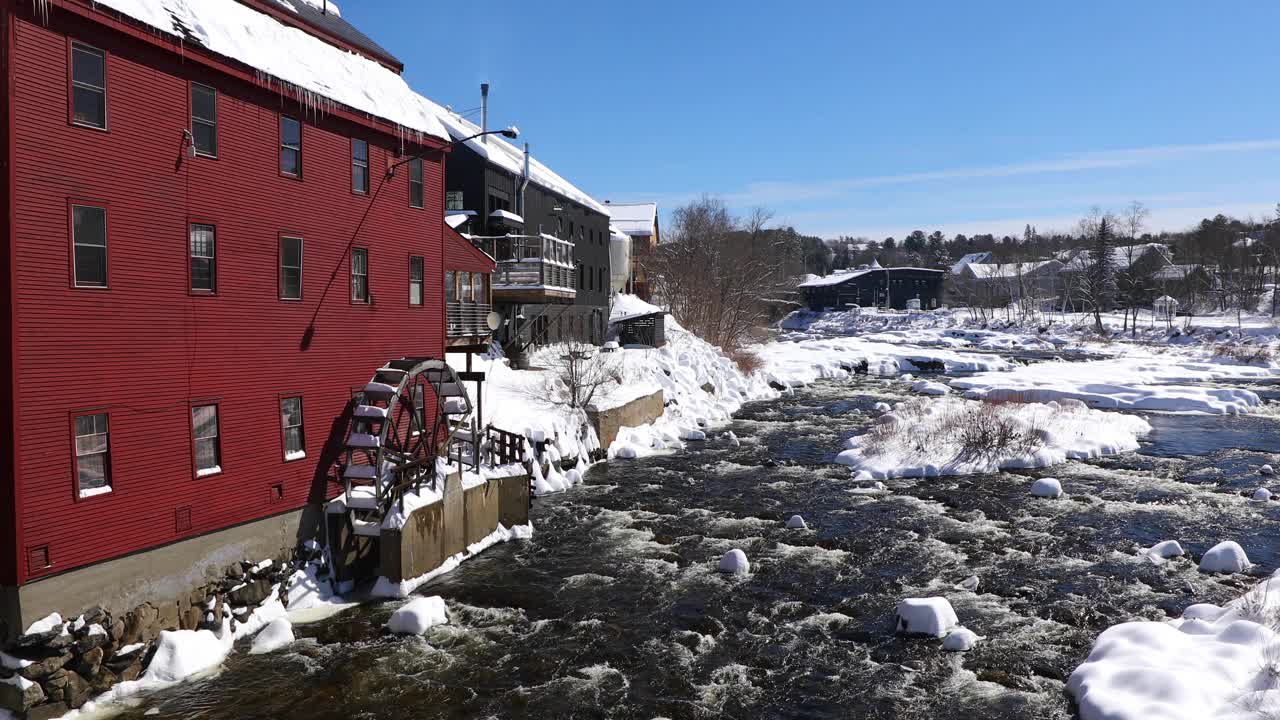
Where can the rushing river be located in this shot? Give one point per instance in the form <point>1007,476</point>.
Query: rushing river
<point>615,609</point>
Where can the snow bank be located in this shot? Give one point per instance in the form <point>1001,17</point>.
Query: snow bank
<point>418,615</point>
<point>180,654</point>
<point>1225,557</point>
<point>1129,383</point>
<point>926,616</point>
<point>386,588</point>
<point>951,436</point>
<point>1215,663</point>
<point>807,360</point>
<point>274,636</point>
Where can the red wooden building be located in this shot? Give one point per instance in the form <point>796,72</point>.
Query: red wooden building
<point>202,260</point>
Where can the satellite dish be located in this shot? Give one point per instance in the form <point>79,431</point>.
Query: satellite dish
<point>493,320</point>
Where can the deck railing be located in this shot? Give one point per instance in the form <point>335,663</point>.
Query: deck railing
<point>530,261</point>
<point>467,319</point>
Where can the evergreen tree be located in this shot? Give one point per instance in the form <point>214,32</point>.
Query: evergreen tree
<point>1101,277</point>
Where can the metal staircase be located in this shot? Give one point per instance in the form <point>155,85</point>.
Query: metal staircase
<point>412,411</point>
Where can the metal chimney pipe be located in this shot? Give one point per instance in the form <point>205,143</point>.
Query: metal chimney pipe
<point>484,112</point>
<point>524,182</point>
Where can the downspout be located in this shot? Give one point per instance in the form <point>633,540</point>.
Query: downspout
<point>524,182</point>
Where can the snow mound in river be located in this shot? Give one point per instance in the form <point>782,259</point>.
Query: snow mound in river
<point>952,436</point>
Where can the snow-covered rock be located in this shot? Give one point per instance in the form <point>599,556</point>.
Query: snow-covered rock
<point>970,583</point>
<point>929,387</point>
<point>179,654</point>
<point>1261,495</point>
<point>926,616</point>
<point>693,435</point>
<point>795,522</point>
<point>418,615</point>
<point>1166,550</point>
<point>1047,488</point>
<point>277,634</point>
<point>1225,557</point>
<point>1267,470</point>
<point>960,640</point>
<point>734,562</point>
<point>882,407</point>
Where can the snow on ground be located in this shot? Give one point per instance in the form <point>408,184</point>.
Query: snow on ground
<point>801,361</point>
<point>274,636</point>
<point>952,436</point>
<point>701,387</point>
<point>1159,369</point>
<point>1214,663</point>
<point>1130,383</point>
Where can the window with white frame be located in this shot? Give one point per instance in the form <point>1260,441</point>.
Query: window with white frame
<point>204,430</point>
<point>89,241</point>
<point>359,275</point>
<point>415,280</point>
<point>93,455</point>
<point>291,424</point>
<point>204,120</point>
<point>88,86</point>
<point>203,253</point>
<point>290,268</point>
<point>360,166</point>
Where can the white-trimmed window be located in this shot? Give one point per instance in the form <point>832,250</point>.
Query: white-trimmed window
<point>89,245</point>
<point>204,120</point>
<point>93,455</point>
<point>415,280</point>
<point>359,275</point>
<point>204,430</point>
<point>290,146</point>
<point>290,268</point>
<point>204,262</point>
<point>415,183</point>
<point>88,86</point>
<point>360,166</point>
<point>291,425</point>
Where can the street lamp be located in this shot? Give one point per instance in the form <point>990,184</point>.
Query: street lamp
<point>512,132</point>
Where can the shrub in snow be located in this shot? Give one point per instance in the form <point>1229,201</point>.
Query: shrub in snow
<point>274,636</point>
<point>1267,470</point>
<point>1261,495</point>
<point>795,522</point>
<point>1225,557</point>
<point>960,640</point>
<point>926,616</point>
<point>955,436</point>
<point>1046,488</point>
<point>735,562</point>
<point>418,615</point>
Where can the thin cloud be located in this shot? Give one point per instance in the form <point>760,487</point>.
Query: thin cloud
<point>776,192</point>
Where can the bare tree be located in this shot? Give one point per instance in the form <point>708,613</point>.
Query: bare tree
<point>716,270</point>
<point>1097,265</point>
<point>577,373</point>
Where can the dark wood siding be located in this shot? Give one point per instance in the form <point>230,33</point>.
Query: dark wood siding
<point>869,290</point>
<point>145,349</point>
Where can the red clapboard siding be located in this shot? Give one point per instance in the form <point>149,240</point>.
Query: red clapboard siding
<point>146,349</point>
<point>460,254</point>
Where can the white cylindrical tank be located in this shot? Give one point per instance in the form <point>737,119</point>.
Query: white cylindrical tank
<point>619,259</point>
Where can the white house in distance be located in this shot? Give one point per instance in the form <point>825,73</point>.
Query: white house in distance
<point>639,221</point>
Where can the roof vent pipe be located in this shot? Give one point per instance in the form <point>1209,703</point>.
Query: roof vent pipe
<point>524,182</point>
<point>484,112</point>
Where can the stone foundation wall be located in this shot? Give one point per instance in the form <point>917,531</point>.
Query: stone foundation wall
<point>641,411</point>
<point>46,674</point>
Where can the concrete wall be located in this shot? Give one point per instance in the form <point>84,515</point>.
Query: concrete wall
<point>640,411</point>
<point>159,574</point>
<point>439,531</point>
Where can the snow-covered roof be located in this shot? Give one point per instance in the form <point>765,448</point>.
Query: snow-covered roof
<point>840,276</point>
<point>988,271</point>
<point>634,218</point>
<point>510,158</point>
<point>1122,257</point>
<point>978,257</point>
<point>318,69</point>
<point>507,215</point>
<point>626,307</point>
<point>455,219</point>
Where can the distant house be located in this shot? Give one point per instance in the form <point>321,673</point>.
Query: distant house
<point>639,221</point>
<point>874,286</point>
<point>998,284</point>
<point>1135,267</point>
<point>1185,282</point>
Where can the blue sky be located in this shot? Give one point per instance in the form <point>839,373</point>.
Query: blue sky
<point>874,118</point>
